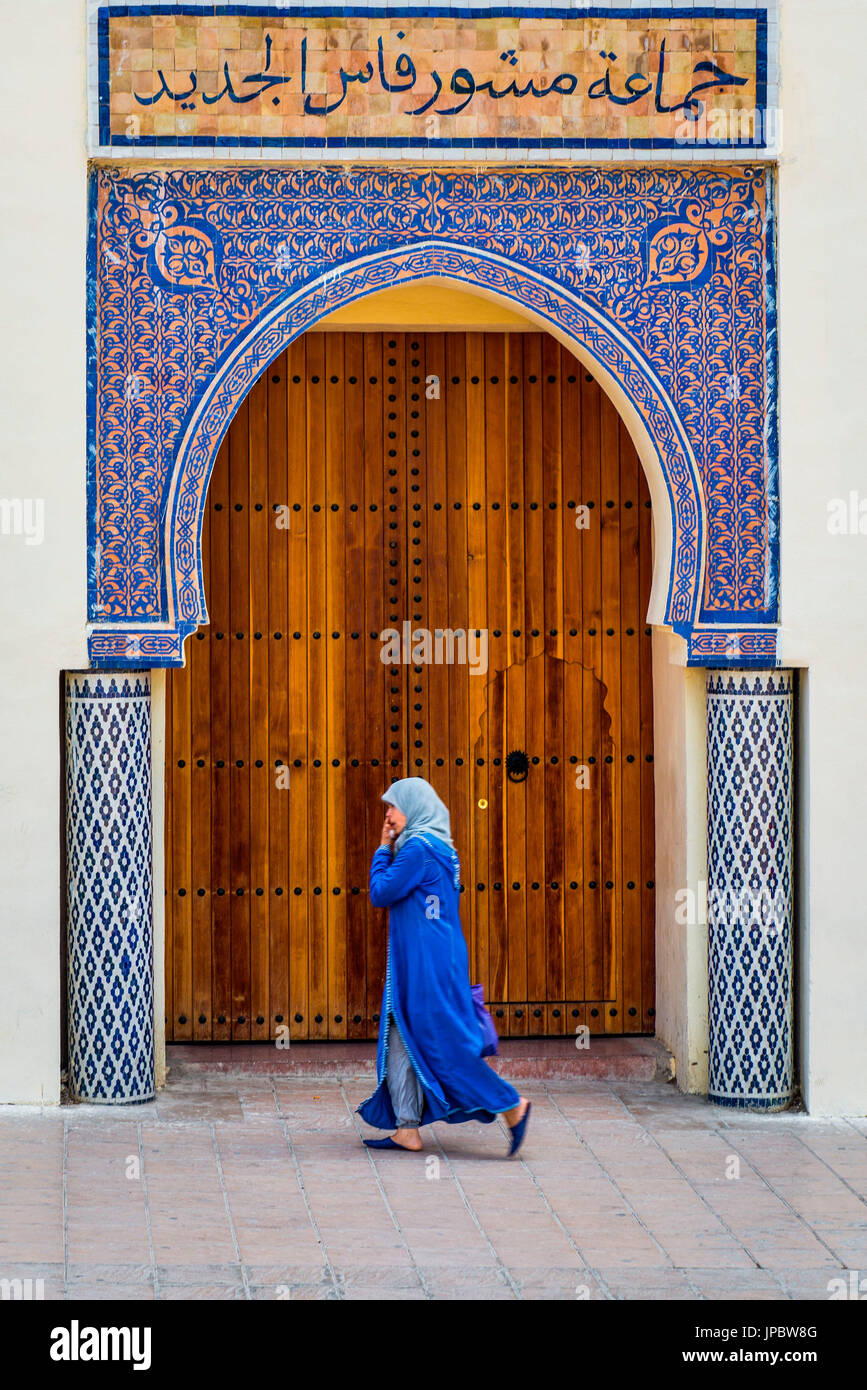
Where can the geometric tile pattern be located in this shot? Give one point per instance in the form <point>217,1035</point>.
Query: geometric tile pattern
<point>109,849</point>
<point>664,275</point>
<point>750,872</point>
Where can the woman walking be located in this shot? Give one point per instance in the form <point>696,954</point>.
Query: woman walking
<point>428,1064</point>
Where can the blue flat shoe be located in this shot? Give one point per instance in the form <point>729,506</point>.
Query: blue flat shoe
<point>519,1130</point>
<point>389,1144</point>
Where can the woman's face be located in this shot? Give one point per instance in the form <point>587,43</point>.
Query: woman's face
<point>394,819</point>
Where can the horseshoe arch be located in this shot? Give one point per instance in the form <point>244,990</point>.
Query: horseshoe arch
<point>622,370</point>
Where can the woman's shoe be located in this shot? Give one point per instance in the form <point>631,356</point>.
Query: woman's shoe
<point>519,1130</point>
<point>389,1144</point>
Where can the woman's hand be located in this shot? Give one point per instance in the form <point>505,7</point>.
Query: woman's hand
<point>388,834</point>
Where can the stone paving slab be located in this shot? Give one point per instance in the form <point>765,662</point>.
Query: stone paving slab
<point>232,1186</point>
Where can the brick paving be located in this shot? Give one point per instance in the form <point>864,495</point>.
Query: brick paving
<point>256,1186</point>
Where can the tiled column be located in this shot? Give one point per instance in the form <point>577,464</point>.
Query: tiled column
<point>750,823</point>
<point>109,857</point>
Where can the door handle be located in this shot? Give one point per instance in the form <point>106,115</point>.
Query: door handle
<point>517,765</point>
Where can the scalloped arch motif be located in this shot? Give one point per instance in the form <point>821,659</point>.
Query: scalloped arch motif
<point>200,278</point>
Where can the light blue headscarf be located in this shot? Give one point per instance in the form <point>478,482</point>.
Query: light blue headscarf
<point>424,810</point>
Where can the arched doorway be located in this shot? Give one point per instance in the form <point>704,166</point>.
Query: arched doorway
<point>459,483</point>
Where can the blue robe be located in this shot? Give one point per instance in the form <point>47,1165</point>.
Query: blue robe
<point>427,989</point>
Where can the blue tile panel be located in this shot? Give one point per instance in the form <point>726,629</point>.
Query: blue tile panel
<point>750,888</point>
<point>109,895</point>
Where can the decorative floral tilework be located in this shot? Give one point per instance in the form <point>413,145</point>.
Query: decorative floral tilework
<point>199,278</point>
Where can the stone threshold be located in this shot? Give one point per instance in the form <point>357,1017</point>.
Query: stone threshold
<point>544,1059</point>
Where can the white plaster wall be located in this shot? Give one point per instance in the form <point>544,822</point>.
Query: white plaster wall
<point>823,368</point>
<point>823,222</point>
<point>42,587</point>
<point>680,782</point>
<point>158,861</point>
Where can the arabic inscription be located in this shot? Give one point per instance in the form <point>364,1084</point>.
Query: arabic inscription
<point>277,79</point>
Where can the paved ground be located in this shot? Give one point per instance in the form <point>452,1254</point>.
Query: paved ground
<point>256,1186</point>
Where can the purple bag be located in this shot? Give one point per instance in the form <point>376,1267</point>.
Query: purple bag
<point>490,1040</point>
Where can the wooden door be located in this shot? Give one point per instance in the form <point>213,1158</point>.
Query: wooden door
<point>436,480</point>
